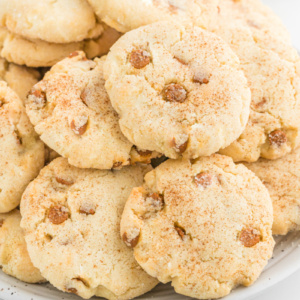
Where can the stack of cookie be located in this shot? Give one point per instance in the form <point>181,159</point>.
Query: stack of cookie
<point>172,159</point>
<point>39,34</point>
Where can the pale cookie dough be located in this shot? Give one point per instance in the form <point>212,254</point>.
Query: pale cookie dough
<point>21,151</point>
<point>203,225</point>
<point>177,90</point>
<point>14,258</point>
<point>72,113</point>
<point>72,221</point>
<point>282,178</point>
<point>19,78</point>
<point>37,53</point>
<point>59,21</point>
<point>263,45</point>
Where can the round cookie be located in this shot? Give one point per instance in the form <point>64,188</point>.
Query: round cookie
<point>37,53</point>
<point>14,258</point>
<point>71,112</point>
<point>72,218</point>
<point>32,19</point>
<point>282,178</point>
<point>177,90</point>
<point>21,151</point>
<point>19,78</point>
<point>261,42</point>
<point>203,225</point>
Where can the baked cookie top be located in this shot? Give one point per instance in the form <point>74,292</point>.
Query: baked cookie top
<point>282,178</point>
<point>71,112</point>
<point>204,225</point>
<point>21,151</point>
<point>72,219</point>
<point>69,20</point>
<point>177,90</point>
<point>19,78</point>
<point>14,258</point>
<point>263,45</point>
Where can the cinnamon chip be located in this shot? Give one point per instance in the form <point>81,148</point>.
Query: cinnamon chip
<point>174,92</point>
<point>58,214</point>
<point>249,237</point>
<point>139,58</point>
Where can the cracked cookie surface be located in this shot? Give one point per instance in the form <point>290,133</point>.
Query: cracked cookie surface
<point>72,113</point>
<point>282,179</point>
<point>71,219</point>
<point>21,151</point>
<point>14,257</point>
<point>204,225</point>
<point>177,89</point>
<point>32,19</point>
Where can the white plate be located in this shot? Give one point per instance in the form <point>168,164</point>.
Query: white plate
<point>286,260</point>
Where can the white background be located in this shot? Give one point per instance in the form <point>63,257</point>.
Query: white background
<point>289,11</point>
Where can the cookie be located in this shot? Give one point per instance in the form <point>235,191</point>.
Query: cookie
<point>177,89</point>
<point>21,151</point>
<point>71,112</point>
<point>71,218</point>
<point>32,19</point>
<point>37,53</point>
<point>282,178</point>
<point>127,15</point>
<point>263,46</point>
<point>273,126</point>
<point>14,258</point>
<point>19,78</point>
<point>273,73</point>
<point>204,225</point>
<point>266,27</point>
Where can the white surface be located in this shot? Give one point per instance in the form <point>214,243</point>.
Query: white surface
<point>283,264</point>
<point>289,12</point>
